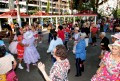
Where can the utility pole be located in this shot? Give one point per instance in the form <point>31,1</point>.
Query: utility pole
<point>27,6</point>
<point>18,13</point>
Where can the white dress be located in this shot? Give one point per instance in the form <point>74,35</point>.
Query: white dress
<point>31,54</point>
<point>13,46</point>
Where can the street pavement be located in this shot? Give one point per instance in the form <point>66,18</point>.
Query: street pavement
<point>91,63</point>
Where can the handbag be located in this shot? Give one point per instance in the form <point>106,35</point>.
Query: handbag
<point>11,76</point>
<point>3,77</point>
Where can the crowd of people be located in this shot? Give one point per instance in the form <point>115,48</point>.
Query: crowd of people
<point>84,34</point>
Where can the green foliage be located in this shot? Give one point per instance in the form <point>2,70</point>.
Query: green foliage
<point>31,12</point>
<point>80,5</point>
<point>75,4</point>
<point>48,7</point>
<point>14,21</point>
<point>67,13</point>
<point>118,13</point>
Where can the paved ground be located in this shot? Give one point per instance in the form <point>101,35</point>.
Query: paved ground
<point>91,63</point>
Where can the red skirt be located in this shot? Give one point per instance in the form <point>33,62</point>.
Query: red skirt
<point>20,51</point>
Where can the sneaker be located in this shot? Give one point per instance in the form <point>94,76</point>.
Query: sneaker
<point>40,42</point>
<point>27,70</point>
<point>77,75</point>
<point>20,67</point>
<point>34,64</point>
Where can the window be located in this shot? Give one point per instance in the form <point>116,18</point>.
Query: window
<point>3,5</point>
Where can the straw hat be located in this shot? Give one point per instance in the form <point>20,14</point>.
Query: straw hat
<point>116,43</point>
<point>117,35</point>
<point>28,35</point>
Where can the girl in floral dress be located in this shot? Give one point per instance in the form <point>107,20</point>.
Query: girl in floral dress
<point>110,69</point>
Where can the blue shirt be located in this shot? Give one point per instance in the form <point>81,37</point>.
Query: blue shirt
<point>80,50</point>
<point>2,43</point>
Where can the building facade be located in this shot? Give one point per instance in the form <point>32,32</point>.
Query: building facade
<point>55,6</point>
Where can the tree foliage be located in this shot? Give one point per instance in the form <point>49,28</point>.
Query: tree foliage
<point>48,7</point>
<point>86,4</point>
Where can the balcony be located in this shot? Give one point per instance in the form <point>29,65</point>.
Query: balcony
<point>4,9</point>
<point>7,9</point>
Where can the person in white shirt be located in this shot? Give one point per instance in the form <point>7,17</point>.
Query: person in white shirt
<point>54,42</point>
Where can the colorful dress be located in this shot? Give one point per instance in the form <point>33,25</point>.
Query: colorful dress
<point>110,72</point>
<point>31,54</point>
<point>13,45</point>
<point>20,49</point>
<point>59,71</point>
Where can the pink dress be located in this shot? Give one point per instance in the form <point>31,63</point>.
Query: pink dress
<point>111,71</point>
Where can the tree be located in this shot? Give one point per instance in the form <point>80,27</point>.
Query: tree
<point>87,4</point>
<point>48,7</point>
<point>116,11</point>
